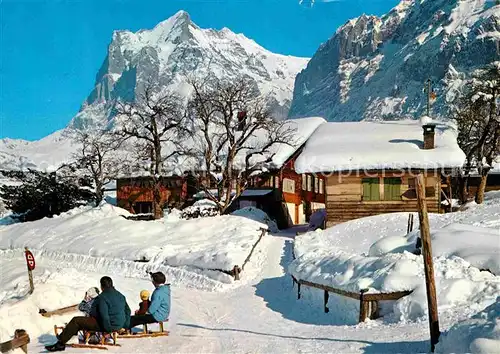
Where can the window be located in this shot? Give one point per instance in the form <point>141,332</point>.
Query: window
<point>309,183</point>
<point>143,207</point>
<point>247,203</point>
<point>288,185</point>
<point>316,185</point>
<point>430,188</point>
<point>392,188</point>
<point>276,182</point>
<point>371,189</point>
<point>321,186</point>
<point>304,182</point>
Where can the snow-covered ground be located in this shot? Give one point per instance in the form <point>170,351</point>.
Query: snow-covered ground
<point>479,334</point>
<point>262,316</point>
<point>259,314</point>
<point>208,243</point>
<point>375,253</point>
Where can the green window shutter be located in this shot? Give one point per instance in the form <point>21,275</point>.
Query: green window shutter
<point>366,189</point>
<point>375,189</point>
<point>371,189</point>
<point>392,188</point>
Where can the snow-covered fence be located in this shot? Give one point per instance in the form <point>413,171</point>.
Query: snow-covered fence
<point>368,303</point>
<point>237,270</point>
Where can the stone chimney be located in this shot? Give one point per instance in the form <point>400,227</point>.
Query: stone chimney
<point>428,136</point>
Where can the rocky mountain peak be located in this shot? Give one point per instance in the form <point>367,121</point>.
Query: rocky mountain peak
<point>176,49</point>
<point>375,67</point>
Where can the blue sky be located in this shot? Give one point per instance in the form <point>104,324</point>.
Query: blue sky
<point>51,50</point>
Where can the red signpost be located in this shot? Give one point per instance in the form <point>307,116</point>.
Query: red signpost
<point>30,262</point>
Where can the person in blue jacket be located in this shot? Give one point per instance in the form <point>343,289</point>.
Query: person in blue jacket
<point>159,310</point>
<point>111,311</point>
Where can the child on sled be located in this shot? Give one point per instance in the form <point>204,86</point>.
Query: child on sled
<point>144,304</point>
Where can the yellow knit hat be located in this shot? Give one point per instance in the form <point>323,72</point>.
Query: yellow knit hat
<point>144,295</point>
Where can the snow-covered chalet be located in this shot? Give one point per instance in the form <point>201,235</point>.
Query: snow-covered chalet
<point>369,167</point>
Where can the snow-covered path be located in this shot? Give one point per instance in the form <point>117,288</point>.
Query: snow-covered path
<point>260,316</point>
<point>265,316</point>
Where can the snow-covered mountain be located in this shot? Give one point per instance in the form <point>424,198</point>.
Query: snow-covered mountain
<point>173,52</point>
<point>177,50</point>
<point>376,67</point>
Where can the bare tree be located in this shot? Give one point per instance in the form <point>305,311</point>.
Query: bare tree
<point>94,156</point>
<point>236,135</point>
<point>154,125</point>
<point>478,121</point>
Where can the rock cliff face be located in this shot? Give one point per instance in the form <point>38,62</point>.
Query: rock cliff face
<point>375,67</point>
<point>177,50</point>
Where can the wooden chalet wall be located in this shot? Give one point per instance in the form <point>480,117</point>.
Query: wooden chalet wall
<point>130,191</point>
<point>290,192</point>
<point>288,173</point>
<point>345,196</point>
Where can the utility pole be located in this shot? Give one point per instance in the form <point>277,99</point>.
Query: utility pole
<point>428,263</point>
<point>428,91</point>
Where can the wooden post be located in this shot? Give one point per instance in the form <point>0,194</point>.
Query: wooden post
<point>450,192</point>
<point>362,306</point>
<point>326,297</point>
<point>298,290</point>
<point>31,266</point>
<point>236,272</point>
<point>428,263</point>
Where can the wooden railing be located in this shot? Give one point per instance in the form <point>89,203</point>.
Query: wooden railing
<point>368,303</point>
<point>21,340</point>
<point>235,272</point>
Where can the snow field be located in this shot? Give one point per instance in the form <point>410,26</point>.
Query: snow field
<point>206,243</point>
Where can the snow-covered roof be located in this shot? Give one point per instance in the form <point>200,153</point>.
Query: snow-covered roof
<point>378,145</point>
<point>302,129</point>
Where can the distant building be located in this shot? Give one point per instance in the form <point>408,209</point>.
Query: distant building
<point>284,195</point>
<point>281,192</point>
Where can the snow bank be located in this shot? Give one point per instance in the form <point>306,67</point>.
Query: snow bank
<point>375,254</point>
<point>210,243</point>
<point>479,334</point>
<point>479,246</point>
<point>258,215</point>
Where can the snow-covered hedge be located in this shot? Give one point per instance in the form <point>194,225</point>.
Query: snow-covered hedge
<point>201,208</point>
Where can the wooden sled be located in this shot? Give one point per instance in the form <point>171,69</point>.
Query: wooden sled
<point>86,337</point>
<point>60,311</point>
<point>145,333</point>
<point>85,346</point>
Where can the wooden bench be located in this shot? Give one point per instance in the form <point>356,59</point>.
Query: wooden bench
<point>368,303</point>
